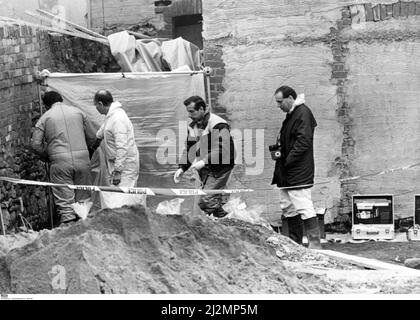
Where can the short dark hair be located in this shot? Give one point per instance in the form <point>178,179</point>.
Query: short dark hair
<point>287,92</point>
<point>51,97</point>
<point>198,102</point>
<point>104,96</point>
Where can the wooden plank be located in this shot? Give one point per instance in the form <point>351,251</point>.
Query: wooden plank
<point>138,35</point>
<point>365,262</point>
<point>76,32</point>
<point>90,32</point>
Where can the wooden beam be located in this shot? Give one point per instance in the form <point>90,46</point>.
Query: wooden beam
<point>51,22</point>
<point>365,262</point>
<point>139,35</point>
<point>90,32</point>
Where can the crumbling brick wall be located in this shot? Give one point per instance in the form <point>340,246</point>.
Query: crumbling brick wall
<point>61,53</point>
<point>19,109</point>
<point>25,50</point>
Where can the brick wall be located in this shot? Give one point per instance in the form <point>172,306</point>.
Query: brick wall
<point>19,109</point>
<point>23,51</point>
<point>76,55</point>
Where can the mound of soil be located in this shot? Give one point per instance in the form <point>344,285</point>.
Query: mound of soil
<point>130,250</point>
<point>133,251</point>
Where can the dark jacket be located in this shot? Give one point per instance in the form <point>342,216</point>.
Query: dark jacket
<point>215,146</point>
<point>296,165</point>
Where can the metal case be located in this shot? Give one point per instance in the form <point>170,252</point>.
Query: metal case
<point>373,217</point>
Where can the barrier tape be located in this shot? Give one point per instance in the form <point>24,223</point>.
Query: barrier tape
<point>143,191</point>
<point>187,192</point>
<point>339,180</point>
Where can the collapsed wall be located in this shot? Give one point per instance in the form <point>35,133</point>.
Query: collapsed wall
<point>357,65</point>
<point>24,50</point>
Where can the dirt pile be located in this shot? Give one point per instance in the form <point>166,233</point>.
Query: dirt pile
<point>132,251</point>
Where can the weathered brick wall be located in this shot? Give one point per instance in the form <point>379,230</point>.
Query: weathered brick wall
<point>61,53</point>
<point>24,51</point>
<point>350,60</point>
<point>19,108</point>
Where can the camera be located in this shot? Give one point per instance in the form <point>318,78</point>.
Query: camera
<point>275,151</point>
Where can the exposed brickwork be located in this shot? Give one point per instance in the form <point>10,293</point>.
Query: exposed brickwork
<point>70,54</point>
<point>213,58</point>
<point>24,51</point>
<point>19,109</point>
<point>339,48</point>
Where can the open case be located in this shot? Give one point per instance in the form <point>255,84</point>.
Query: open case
<point>373,217</point>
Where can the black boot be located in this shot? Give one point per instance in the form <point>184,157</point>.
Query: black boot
<point>321,225</point>
<point>284,227</point>
<point>313,233</point>
<point>295,229</point>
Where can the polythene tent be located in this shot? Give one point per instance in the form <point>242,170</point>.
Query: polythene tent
<point>153,101</point>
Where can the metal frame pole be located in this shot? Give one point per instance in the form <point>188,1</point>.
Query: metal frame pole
<point>47,169</point>
<point>1,220</point>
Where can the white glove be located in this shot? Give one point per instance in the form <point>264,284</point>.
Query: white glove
<point>45,73</point>
<point>198,165</point>
<point>178,175</point>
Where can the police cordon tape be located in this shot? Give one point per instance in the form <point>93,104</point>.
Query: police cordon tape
<point>143,191</point>
<point>187,192</point>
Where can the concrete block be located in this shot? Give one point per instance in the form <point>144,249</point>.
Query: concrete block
<point>396,10</point>
<point>377,12</point>
<point>412,8</point>
<point>403,9</point>
<point>383,11</point>
<point>368,12</point>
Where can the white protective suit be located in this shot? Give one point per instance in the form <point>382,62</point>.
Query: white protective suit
<point>121,154</point>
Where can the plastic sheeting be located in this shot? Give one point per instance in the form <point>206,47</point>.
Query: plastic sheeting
<point>135,55</point>
<point>153,101</point>
<point>147,55</point>
<point>179,53</point>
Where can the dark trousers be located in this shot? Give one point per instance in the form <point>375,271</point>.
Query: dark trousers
<point>212,204</point>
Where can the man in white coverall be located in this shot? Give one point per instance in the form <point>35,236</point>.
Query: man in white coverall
<point>62,136</point>
<point>121,153</point>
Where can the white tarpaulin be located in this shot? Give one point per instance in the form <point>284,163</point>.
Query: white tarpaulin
<point>153,101</point>
<point>146,55</point>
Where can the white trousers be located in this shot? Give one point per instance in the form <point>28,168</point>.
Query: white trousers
<point>111,200</point>
<point>294,202</point>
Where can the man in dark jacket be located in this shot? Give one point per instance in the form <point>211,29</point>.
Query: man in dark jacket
<point>295,167</point>
<point>209,150</point>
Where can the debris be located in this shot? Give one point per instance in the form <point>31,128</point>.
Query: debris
<point>170,207</point>
<point>412,263</point>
